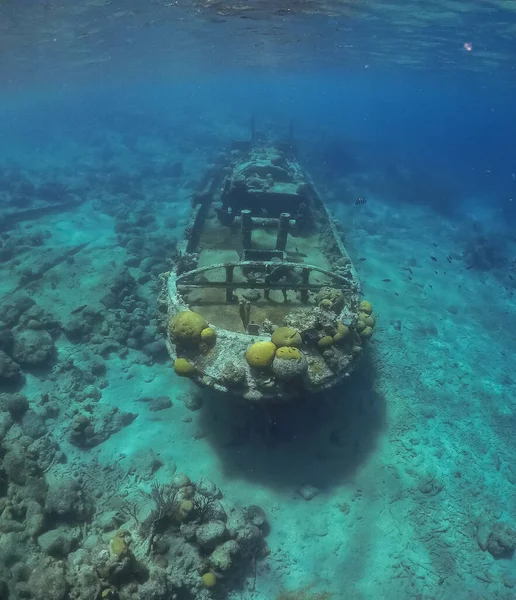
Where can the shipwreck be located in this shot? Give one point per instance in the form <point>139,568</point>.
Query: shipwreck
<point>263,300</point>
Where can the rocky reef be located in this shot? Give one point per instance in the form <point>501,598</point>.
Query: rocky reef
<point>69,535</point>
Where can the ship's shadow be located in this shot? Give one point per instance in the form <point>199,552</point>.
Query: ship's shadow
<point>319,440</point>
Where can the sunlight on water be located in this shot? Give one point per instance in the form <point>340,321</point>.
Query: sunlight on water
<point>49,38</point>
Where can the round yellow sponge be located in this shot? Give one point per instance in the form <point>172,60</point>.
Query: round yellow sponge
<point>286,336</point>
<point>183,367</point>
<point>342,332</point>
<point>369,320</point>
<point>367,332</point>
<point>366,306</point>
<point>289,353</point>
<point>209,336</point>
<point>325,341</point>
<point>209,580</point>
<point>360,325</point>
<point>186,327</point>
<point>260,355</point>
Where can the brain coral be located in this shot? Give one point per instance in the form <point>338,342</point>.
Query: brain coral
<point>260,355</point>
<point>342,332</point>
<point>286,336</point>
<point>366,307</point>
<point>186,327</point>
<point>289,363</point>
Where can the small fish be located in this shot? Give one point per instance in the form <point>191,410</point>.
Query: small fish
<point>410,278</point>
<point>386,280</point>
<point>362,259</point>
<point>396,293</point>
<point>360,200</point>
<point>79,309</point>
<point>468,268</point>
<point>448,258</point>
<point>435,245</point>
<point>433,258</point>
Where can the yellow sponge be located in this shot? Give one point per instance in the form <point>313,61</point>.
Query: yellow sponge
<point>260,355</point>
<point>369,320</point>
<point>366,307</point>
<point>367,332</point>
<point>286,336</point>
<point>289,353</point>
<point>209,580</point>
<point>118,545</point>
<point>325,341</point>
<point>184,368</point>
<point>342,332</point>
<point>209,336</point>
<point>186,327</point>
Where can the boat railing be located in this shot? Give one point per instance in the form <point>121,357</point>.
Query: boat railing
<point>282,276</point>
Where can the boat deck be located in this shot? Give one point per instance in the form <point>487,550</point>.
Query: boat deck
<point>220,244</point>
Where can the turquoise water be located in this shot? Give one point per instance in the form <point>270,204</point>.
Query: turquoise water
<point>120,479</point>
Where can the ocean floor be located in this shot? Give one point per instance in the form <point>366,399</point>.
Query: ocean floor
<point>399,485</point>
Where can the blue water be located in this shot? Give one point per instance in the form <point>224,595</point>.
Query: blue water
<point>120,479</point>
